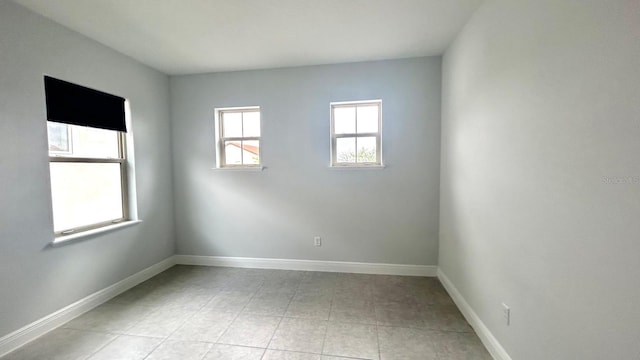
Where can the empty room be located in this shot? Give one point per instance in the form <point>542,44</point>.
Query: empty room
<point>320,179</point>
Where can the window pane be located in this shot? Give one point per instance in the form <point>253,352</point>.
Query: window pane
<point>233,152</point>
<point>344,120</point>
<point>92,142</point>
<point>366,149</point>
<point>368,119</point>
<point>232,124</point>
<point>251,124</point>
<point>346,150</point>
<point>251,152</point>
<point>59,138</point>
<point>82,141</point>
<point>85,194</point>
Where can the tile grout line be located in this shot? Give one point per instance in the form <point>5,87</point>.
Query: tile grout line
<point>281,318</point>
<point>117,334</point>
<point>326,334</point>
<point>234,319</point>
<point>103,346</point>
<point>180,327</point>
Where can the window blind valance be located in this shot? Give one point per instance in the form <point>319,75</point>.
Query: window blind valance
<point>78,105</point>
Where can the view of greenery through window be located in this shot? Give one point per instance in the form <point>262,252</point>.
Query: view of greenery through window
<point>356,133</point>
<point>364,155</point>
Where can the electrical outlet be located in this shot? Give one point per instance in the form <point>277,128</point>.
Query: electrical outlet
<point>506,314</point>
<point>317,241</point>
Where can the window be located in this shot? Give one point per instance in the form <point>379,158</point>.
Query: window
<point>355,133</point>
<point>238,137</point>
<point>87,159</point>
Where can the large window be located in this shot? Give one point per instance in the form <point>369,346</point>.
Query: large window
<point>88,177</point>
<point>355,133</point>
<point>87,157</point>
<point>238,137</point>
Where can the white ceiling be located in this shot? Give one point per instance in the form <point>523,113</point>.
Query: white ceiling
<point>196,36</point>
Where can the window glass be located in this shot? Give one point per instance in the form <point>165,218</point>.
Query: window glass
<point>346,150</point>
<point>251,124</point>
<point>81,141</point>
<point>366,149</point>
<point>85,193</point>
<point>251,152</point>
<point>59,138</point>
<point>344,120</point>
<point>367,119</point>
<point>233,152</point>
<point>232,124</point>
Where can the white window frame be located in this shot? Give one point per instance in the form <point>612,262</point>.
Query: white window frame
<point>121,159</point>
<point>378,135</point>
<point>220,139</point>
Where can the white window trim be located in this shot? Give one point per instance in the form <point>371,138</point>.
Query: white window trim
<point>66,239</point>
<point>220,164</point>
<point>378,135</point>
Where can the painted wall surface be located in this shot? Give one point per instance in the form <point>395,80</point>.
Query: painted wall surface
<point>380,216</point>
<point>35,279</point>
<point>540,185</point>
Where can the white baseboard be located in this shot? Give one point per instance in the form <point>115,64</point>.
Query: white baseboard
<point>40,327</point>
<point>309,265</point>
<point>490,342</point>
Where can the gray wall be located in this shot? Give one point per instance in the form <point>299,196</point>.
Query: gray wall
<point>36,280</point>
<point>540,185</point>
<point>381,216</point>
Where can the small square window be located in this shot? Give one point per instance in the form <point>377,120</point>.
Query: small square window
<point>355,133</point>
<point>238,137</point>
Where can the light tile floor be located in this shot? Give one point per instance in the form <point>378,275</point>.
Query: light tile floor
<point>191,312</point>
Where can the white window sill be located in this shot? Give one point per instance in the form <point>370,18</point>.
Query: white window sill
<point>65,239</point>
<point>357,167</point>
<point>239,168</point>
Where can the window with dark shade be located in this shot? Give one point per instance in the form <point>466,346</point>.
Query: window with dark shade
<point>78,105</point>
<point>87,157</point>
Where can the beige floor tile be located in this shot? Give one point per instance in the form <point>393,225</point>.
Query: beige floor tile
<point>362,313</point>
<point>304,335</point>
<point>127,347</point>
<point>232,352</point>
<point>230,301</point>
<point>161,323</point>
<point>182,350</point>
<point>311,309</point>
<point>406,344</point>
<point>446,318</point>
<point>250,330</point>
<point>402,315</point>
<point>459,346</point>
<point>273,305</point>
<point>289,355</point>
<point>351,340</point>
<point>205,325</point>
<point>110,317</point>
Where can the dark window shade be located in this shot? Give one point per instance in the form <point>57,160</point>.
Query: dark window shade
<point>77,105</point>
